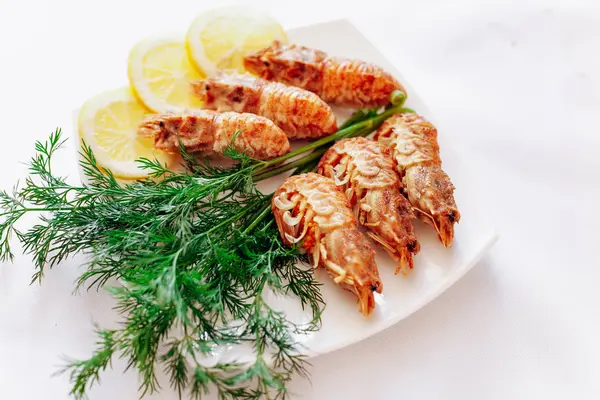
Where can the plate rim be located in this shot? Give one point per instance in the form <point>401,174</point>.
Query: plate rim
<point>458,274</point>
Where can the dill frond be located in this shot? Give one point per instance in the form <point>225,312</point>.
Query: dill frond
<point>193,254</point>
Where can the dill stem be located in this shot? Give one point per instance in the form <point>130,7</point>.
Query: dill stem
<point>266,211</point>
<point>28,209</point>
<point>229,220</point>
<point>267,225</point>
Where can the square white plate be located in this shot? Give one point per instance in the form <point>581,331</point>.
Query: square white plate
<point>436,268</point>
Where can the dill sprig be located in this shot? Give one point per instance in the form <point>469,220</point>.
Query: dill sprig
<point>191,258</point>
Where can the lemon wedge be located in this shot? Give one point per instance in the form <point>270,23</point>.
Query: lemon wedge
<point>220,38</point>
<point>160,72</point>
<point>108,124</point>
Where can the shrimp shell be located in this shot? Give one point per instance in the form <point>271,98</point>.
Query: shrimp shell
<point>212,132</point>
<point>328,231</point>
<point>299,113</point>
<point>413,141</point>
<point>340,81</point>
<point>365,169</point>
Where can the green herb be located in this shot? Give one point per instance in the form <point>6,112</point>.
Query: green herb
<point>189,257</point>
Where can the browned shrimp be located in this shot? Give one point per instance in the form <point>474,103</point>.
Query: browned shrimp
<point>366,171</point>
<point>309,208</point>
<point>212,132</point>
<point>299,113</point>
<point>413,141</point>
<point>340,81</point>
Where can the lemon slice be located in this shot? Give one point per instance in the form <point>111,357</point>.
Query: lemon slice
<point>108,124</point>
<point>220,38</point>
<point>160,72</point>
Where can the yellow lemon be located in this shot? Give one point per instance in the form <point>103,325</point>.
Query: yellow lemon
<point>218,39</point>
<point>108,124</point>
<point>160,73</point>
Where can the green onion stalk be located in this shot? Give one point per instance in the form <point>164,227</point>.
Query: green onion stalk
<point>361,123</point>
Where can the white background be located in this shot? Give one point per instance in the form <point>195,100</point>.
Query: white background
<point>518,85</point>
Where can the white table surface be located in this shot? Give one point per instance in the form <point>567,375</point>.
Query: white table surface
<point>517,82</point>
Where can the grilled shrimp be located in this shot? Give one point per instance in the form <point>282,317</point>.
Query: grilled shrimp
<point>340,81</point>
<point>299,113</point>
<point>413,141</point>
<point>212,132</point>
<point>366,171</point>
<point>309,208</point>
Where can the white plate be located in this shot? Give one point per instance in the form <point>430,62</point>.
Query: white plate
<point>436,268</point>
